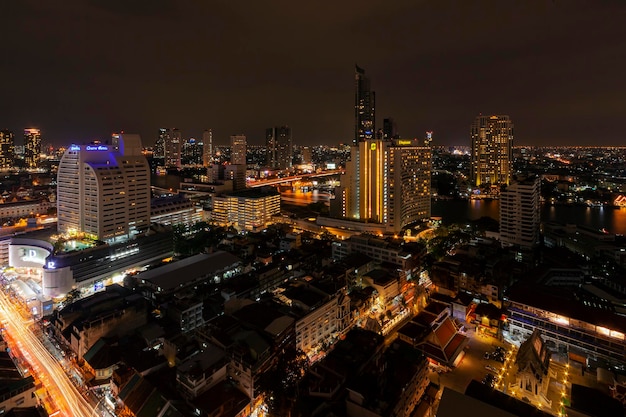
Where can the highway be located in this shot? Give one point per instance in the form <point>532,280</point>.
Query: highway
<point>63,397</point>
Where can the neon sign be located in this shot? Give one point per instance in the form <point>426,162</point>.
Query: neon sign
<point>96,148</point>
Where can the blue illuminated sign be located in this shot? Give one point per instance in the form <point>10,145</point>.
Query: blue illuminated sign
<point>96,148</point>
<point>74,148</point>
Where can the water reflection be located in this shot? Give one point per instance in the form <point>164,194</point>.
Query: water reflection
<point>460,211</point>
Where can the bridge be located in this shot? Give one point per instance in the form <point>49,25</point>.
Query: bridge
<point>276,181</point>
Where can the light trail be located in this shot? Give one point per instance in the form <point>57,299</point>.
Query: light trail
<point>64,395</point>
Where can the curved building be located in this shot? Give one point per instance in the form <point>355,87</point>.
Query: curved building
<point>103,191</point>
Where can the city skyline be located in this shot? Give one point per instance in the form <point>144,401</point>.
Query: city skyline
<point>79,71</point>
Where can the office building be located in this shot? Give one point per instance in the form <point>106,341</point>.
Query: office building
<point>364,108</point>
<point>32,147</point>
<point>279,147</point>
<point>306,154</point>
<point>207,147</point>
<point>238,149</point>
<point>389,129</point>
<point>159,146</point>
<point>387,182</point>
<point>492,150</point>
<point>102,192</point>
<point>173,148</point>
<point>192,153</point>
<point>252,209</point>
<point>7,149</point>
<point>519,213</point>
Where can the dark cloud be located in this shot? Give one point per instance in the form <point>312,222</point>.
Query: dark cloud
<point>80,70</point>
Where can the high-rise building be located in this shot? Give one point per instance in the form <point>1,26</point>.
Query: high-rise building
<point>364,108</point>
<point>238,149</point>
<point>192,152</point>
<point>159,145</point>
<point>492,150</point>
<point>387,182</point>
<point>103,192</point>
<point>307,154</point>
<point>207,147</point>
<point>7,149</point>
<point>173,145</point>
<point>32,147</point>
<point>279,147</point>
<point>389,129</point>
<point>520,213</point>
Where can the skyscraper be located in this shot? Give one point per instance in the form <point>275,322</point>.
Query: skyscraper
<point>238,149</point>
<point>159,146</point>
<point>389,129</point>
<point>192,152</point>
<point>7,149</point>
<point>364,108</point>
<point>387,182</point>
<point>173,139</point>
<point>32,147</point>
<point>207,147</point>
<point>492,150</point>
<point>279,147</point>
<point>519,213</point>
<point>103,192</point>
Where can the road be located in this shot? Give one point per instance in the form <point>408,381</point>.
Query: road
<point>63,396</point>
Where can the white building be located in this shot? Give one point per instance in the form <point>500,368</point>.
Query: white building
<point>519,213</point>
<point>103,191</point>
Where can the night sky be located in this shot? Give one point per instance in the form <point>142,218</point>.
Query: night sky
<point>80,70</point>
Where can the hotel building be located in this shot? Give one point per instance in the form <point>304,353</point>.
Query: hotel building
<point>492,150</point>
<point>387,182</point>
<point>32,147</point>
<point>103,192</point>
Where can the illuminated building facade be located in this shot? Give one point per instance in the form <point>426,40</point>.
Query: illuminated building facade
<point>103,192</point>
<point>207,147</point>
<point>364,108</point>
<point>32,147</point>
<point>387,182</point>
<point>238,149</point>
<point>172,147</point>
<point>492,150</point>
<point>159,145</point>
<point>252,209</point>
<point>566,322</point>
<point>192,153</point>
<point>279,147</point>
<point>519,213</point>
<point>7,149</point>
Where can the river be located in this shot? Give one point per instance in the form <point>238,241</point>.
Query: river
<point>459,211</point>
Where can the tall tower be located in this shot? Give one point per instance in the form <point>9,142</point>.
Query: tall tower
<point>492,150</point>
<point>159,145</point>
<point>520,213</point>
<point>32,147</point>
<point>173,139</point>
<point>279,147</point>
<point>238,149</point>
<point>207,147</point>
<point>104,192</point>
<point>7,149</point>
<point>364,108</point>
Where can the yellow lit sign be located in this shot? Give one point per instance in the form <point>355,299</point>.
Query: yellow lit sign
<point>373,147</point>
<point>404,142</point>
